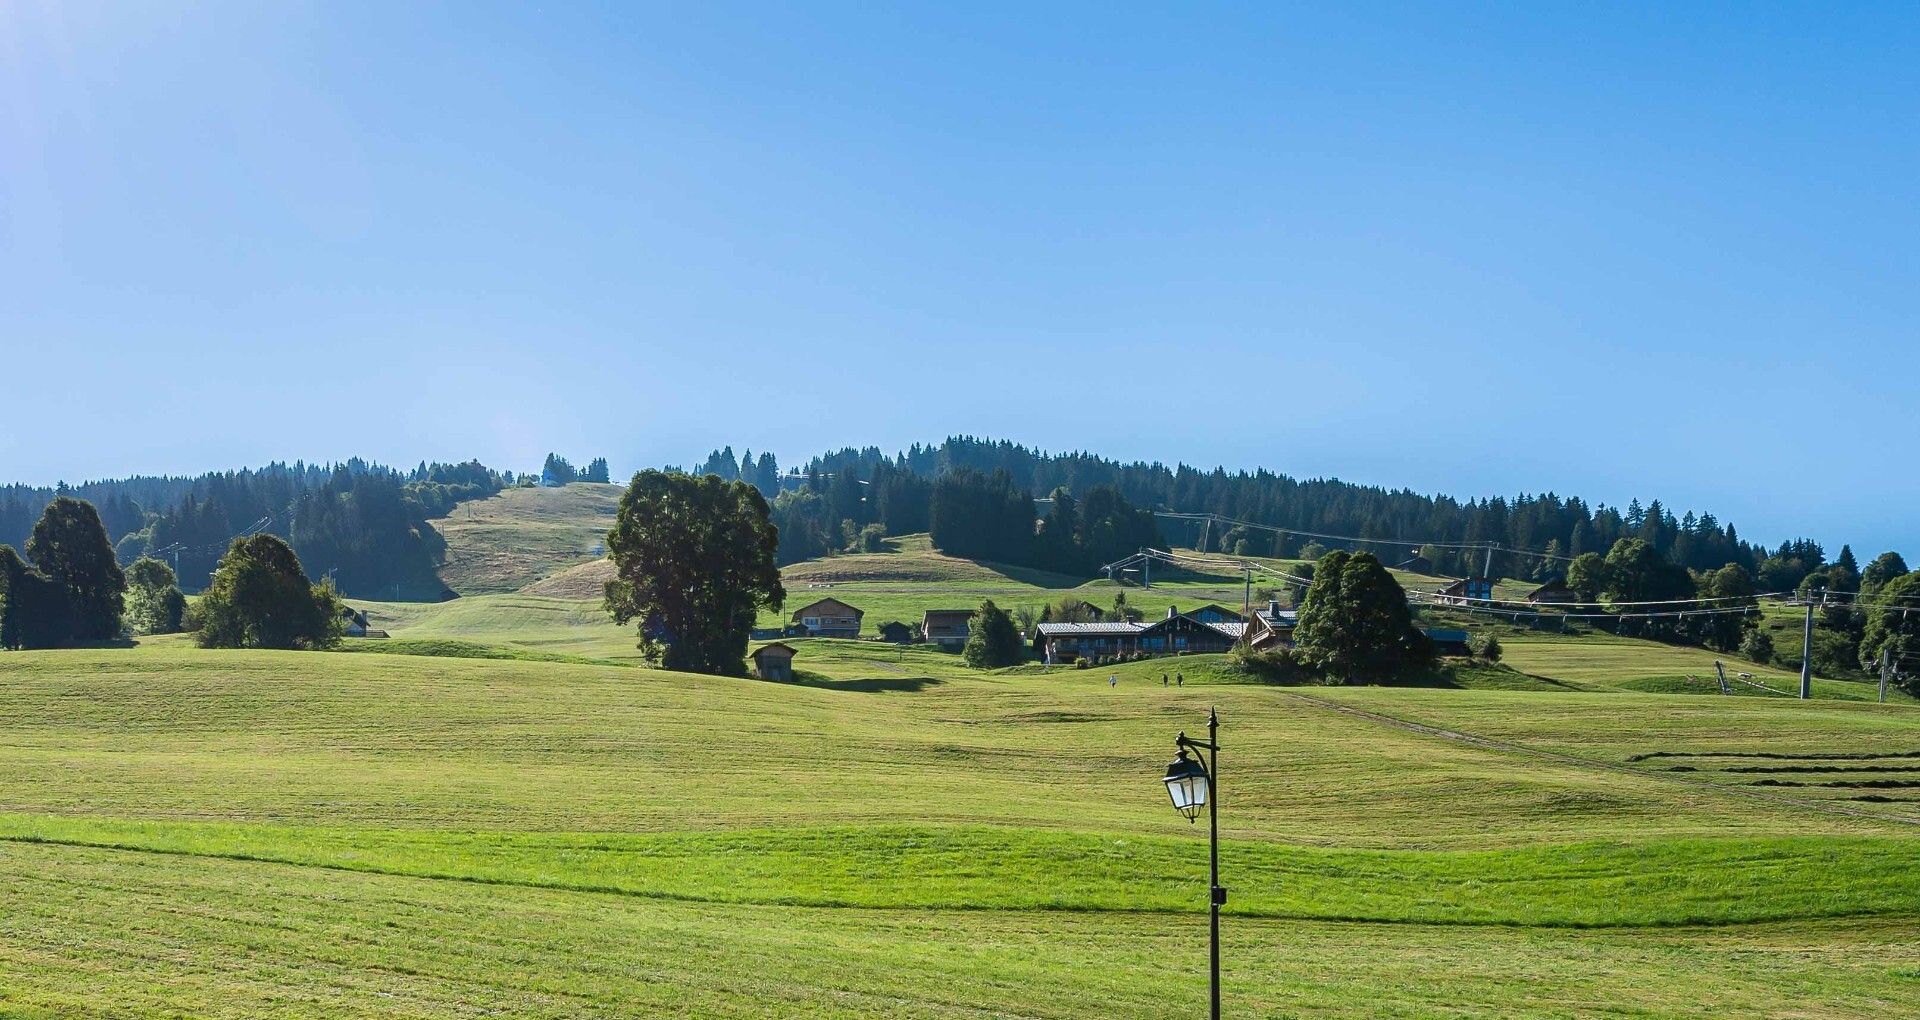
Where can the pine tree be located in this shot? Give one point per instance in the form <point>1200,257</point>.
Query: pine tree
<point>1355,622</point>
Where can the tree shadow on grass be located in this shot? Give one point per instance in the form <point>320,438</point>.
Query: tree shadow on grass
<point>864,685</point>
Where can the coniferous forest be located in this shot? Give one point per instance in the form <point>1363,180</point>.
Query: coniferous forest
<point>365,526</point>
<point>826,505</point>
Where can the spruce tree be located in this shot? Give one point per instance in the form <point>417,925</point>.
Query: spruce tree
<point>1355,622</point>
<point>992,639</point>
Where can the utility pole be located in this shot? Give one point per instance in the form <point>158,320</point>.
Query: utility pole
<point>1886,669</point>
<point>1146,571</point>
<point>1806,652</point>
<point>1246,611</point>
<point>1487,571</point>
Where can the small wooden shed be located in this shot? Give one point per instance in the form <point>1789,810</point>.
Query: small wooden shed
<point>773,662</point>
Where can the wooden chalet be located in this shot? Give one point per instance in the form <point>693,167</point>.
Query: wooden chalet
<point>1470,591</point>
<point>1553,593</point>
<point>829,617</point>
<point>947,628</point>
<point>1179,632</point>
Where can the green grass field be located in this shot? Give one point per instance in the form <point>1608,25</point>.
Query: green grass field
<point>202,833</point>
<point>500,811</point>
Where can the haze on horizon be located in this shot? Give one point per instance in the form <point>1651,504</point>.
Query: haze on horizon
<point>1625,253</point>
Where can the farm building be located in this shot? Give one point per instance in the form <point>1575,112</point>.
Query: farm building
<point>1553,593</point>
<point>773,662</point>
<point>1466,591</point>
<point>1449,642</point>
<point>896,632</point>
<point>353,622</point>
<point>947,627</point>
<point>829,617</point>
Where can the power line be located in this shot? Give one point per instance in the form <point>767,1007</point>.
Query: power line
<point>1515,614</point>
<point>1416,542</point>
<point>1655,602</point>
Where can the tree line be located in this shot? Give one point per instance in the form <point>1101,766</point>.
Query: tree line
<point>1537,534</point>
<point>559,470</point>
<point>69,590</point>
<point>365,524</point>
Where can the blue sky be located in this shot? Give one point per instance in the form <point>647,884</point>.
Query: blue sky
<point>1633,252</point>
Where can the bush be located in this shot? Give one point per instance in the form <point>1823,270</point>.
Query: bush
<point>1757,647</point>
<point>1486,646</point>
<point>154,603</point>
<point>1277,665</point>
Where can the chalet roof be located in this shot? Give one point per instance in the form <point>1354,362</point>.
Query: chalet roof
<point>777,647</point>
<point>1215,606</point>
<point>940,616</point>
<point>1555,587</point>
<point>1230,629</point>
<point>1113,629</point>
<point>1447,637</point>
<point>831,602</point>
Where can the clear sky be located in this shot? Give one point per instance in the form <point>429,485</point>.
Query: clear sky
<point>1618,252</point>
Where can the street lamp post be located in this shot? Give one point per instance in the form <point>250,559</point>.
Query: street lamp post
<point>1192,785</point>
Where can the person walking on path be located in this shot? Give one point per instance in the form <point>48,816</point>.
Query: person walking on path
<point>1179,679</point>
<point>1113,680</point>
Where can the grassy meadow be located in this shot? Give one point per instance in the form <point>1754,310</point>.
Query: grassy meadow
<point>500,811</point>
<point>192,832</point>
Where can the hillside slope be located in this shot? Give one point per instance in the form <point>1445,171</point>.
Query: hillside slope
<point>191,832</point>
<point>520,536</point>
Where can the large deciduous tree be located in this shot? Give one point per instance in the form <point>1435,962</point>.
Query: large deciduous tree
<point>694,563</point>
<point>33,609</point>
<point>70,546</point>
<point>1728,589</point>
<point>1893,624</point>
<point>1885,567</point>
<point>154,602</point>
<point>1355,622</point>
<point>1587,576</point>
<point>261,598</point>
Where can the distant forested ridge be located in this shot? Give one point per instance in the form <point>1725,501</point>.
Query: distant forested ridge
<point>364,525</point>
<point>826,505</point>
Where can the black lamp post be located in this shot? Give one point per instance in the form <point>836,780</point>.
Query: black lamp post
<point>1193,785</point>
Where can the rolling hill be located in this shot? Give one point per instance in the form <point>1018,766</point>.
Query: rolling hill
<point>501,810</point>
<point>308,834</point>
<point>523,535</point>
